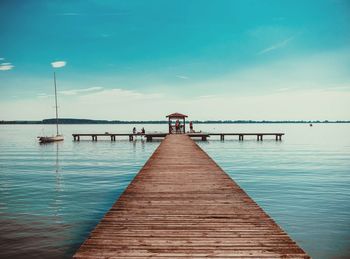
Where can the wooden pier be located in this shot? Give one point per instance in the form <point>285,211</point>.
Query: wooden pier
<point>183,205</point>
<point>150,136</point>
<point>113,136</point>
<point>259,136</point>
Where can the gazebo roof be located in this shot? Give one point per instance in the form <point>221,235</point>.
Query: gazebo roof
<point>177,115</point>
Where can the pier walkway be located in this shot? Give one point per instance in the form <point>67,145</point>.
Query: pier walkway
<point>183,205</point>
<point>150,136</point>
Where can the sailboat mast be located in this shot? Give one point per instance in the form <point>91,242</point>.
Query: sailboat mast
<point>54,77</point>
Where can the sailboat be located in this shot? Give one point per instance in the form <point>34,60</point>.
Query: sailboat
<point>58,137</point>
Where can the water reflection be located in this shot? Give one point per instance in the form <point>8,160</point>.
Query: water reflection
<point>58,185</point>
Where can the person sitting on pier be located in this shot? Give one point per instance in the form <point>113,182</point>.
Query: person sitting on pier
<point>143,130</point>
<point>191,127</point>
<point>134,130</point>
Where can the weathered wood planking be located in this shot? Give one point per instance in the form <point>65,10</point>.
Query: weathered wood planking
<point>183,205</point>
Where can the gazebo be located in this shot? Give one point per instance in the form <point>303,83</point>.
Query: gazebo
<point>172,126</point>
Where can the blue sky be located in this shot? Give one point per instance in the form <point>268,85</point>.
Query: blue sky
<point>144,59</point>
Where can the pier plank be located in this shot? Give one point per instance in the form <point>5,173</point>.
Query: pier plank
<point>183,205</point>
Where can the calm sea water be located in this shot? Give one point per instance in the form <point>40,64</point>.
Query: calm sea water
<point>52,196</point>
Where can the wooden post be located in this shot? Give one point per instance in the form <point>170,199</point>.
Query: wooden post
<point>184,131</point>
<point>78,137</point>
<point>222,138</point>
<point>149,138</point>
<point>170,127</point>
<point>240,137</point>
<point>74,137</point>
<point>131,137</point>
<point>204,138</point>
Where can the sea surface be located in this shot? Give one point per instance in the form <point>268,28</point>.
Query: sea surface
<point>53,195</point>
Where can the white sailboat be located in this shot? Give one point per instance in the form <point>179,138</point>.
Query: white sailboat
<point>58,137</point>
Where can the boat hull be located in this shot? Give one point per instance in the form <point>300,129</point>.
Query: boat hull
<point>51,139</point>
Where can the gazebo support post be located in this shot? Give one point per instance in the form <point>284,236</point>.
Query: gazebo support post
<point>169,126</point>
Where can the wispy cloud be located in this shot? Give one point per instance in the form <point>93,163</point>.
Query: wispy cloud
<point>6,66</point>
<point>119,95</point>
<point>58,64</point>
<point>43,95</point>
<point>278,45</point>
<point>72,92</point>
<point>78,91</point>
<point>182,77</point>
<point>133,105</point>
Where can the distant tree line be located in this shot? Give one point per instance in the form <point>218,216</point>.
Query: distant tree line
<point>87,121</point>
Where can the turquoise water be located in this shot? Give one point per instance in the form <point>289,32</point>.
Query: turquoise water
<point>303,182</point>
<point>52,196</point>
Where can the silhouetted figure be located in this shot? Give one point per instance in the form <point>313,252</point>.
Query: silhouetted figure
<point>143,130</point>
<point>177,126</point>
<point>191,127</point>
<point>134,130</point>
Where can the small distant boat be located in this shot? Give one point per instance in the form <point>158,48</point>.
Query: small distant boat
<point>51,139</point>
<point>58,137</point>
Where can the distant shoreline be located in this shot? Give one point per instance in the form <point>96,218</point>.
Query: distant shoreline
<point>87,121</point>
